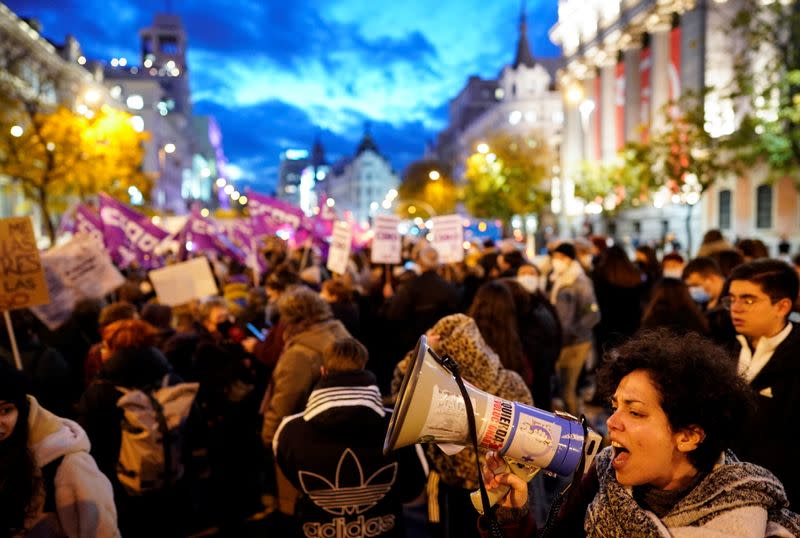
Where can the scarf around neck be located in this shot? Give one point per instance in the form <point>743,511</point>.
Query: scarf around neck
<point>730,485</point>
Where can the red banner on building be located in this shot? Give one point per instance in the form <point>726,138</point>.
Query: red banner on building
<point>619,104</point>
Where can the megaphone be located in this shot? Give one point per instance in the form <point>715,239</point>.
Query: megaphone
<point>430,409</point>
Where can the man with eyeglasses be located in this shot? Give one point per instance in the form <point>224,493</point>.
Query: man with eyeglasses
<point>760,298</point>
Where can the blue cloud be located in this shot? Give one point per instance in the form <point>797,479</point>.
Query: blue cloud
<point>274,74</point>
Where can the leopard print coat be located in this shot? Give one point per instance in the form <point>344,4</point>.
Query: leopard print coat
<point>460,338</point>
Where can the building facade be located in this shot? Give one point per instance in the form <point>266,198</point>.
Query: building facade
<point>522,99</point>
<point>355,184</point>
<point>624,60</point>
<point>187,166</point>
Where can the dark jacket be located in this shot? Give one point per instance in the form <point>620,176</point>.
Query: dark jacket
<point>332,453</point>
<point>767,439</point>
<point>418,304</point>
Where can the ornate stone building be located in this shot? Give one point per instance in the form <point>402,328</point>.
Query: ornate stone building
<point>623,61</point>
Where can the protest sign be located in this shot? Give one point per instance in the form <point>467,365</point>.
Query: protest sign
<point>62,297</point>
<point>76,270</point>
<point>86,266</point>
<point>448,238</point>
<point>22,280</point>
<point>386,247</point>
<point>180,283</point>
<point>339,254</point>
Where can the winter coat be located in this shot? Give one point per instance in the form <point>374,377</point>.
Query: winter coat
<point>460,338</point>
<point>332,453</point>
<point>84,499</point>
<point>573,296</point>
<point>297,371</point>
<point>764,439</point>
<point>734,499</point>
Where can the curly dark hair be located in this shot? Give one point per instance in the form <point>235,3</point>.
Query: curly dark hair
<point>696,380</point>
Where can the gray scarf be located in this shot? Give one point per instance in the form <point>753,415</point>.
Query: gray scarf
<point>729,486</point>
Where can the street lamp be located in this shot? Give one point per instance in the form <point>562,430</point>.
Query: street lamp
<point>169,148</point>
<point>434,175</point>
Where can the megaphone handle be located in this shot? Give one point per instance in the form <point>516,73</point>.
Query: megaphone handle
<point>525,472</point>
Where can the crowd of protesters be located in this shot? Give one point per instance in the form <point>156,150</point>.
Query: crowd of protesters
<point>298,341</point>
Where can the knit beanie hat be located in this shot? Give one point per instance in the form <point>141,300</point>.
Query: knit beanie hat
<point>13,386</point>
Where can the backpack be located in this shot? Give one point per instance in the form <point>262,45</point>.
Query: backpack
<point>152,435</point>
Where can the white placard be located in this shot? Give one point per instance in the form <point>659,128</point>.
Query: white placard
<point>180,283</point>
<point>386,246</point>
<point>339,253</point>
<point>81,268</point>
<point>62,298</point>
<point>86,266</point>
<point>448,238</point>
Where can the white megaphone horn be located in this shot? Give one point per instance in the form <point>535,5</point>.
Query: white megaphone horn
<point>430,409</point>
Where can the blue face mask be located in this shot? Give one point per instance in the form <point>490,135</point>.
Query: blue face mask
<point>699,294</point>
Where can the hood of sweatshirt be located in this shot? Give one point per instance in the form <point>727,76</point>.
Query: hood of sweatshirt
<point>51,436</point>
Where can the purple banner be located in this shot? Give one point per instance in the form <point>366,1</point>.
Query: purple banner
<point>88,222</point>
<point>129,236</point>
<point>279,211</point>
<point>200,235</point>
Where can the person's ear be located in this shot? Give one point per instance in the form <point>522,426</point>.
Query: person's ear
<point>784,306</point>
<point>323,371</point>
<point>689,438</point>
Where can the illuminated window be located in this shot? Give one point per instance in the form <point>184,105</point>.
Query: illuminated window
<point>764,206</point>
<point>725,209</point>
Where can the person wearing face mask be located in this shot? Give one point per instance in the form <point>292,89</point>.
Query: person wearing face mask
<point>572,294</point>
<point>678,407</point>
<point>672,265</point>
<point>529,277</point>
<point>706,285</point>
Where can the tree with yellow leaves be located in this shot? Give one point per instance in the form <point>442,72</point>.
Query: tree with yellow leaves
<point>508,176</point>
<point>54,155</point>
<point>430,182</point>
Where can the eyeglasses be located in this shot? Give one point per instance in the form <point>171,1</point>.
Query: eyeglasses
<point>746,302</point>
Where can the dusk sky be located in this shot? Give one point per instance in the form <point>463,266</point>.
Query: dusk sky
<point>276,73</point>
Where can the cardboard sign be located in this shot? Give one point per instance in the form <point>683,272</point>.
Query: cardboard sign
<point>386,247</point>
<point>339,254</point>
<point>180,283</point>
<point>448,238</point>
<point>22,280</point>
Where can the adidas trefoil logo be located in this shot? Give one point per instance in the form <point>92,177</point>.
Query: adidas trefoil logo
<point>350,493</point>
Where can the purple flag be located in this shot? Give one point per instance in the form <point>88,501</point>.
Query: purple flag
<point>201,234</point>
<point>88,222</point>
<point>279,211</point>
<point>129,235</point>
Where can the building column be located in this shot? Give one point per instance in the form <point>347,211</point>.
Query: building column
<point>588,114</point>
<point>693,48</point>
<point>633,89</point>
<point>607,110</point>
<point>659,72</point>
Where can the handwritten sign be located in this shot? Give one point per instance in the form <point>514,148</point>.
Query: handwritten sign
<point>386,246</point>
<point>180,283</point>
<point>339,254</point>
<point>448,238</point>
<point>22,281</point>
